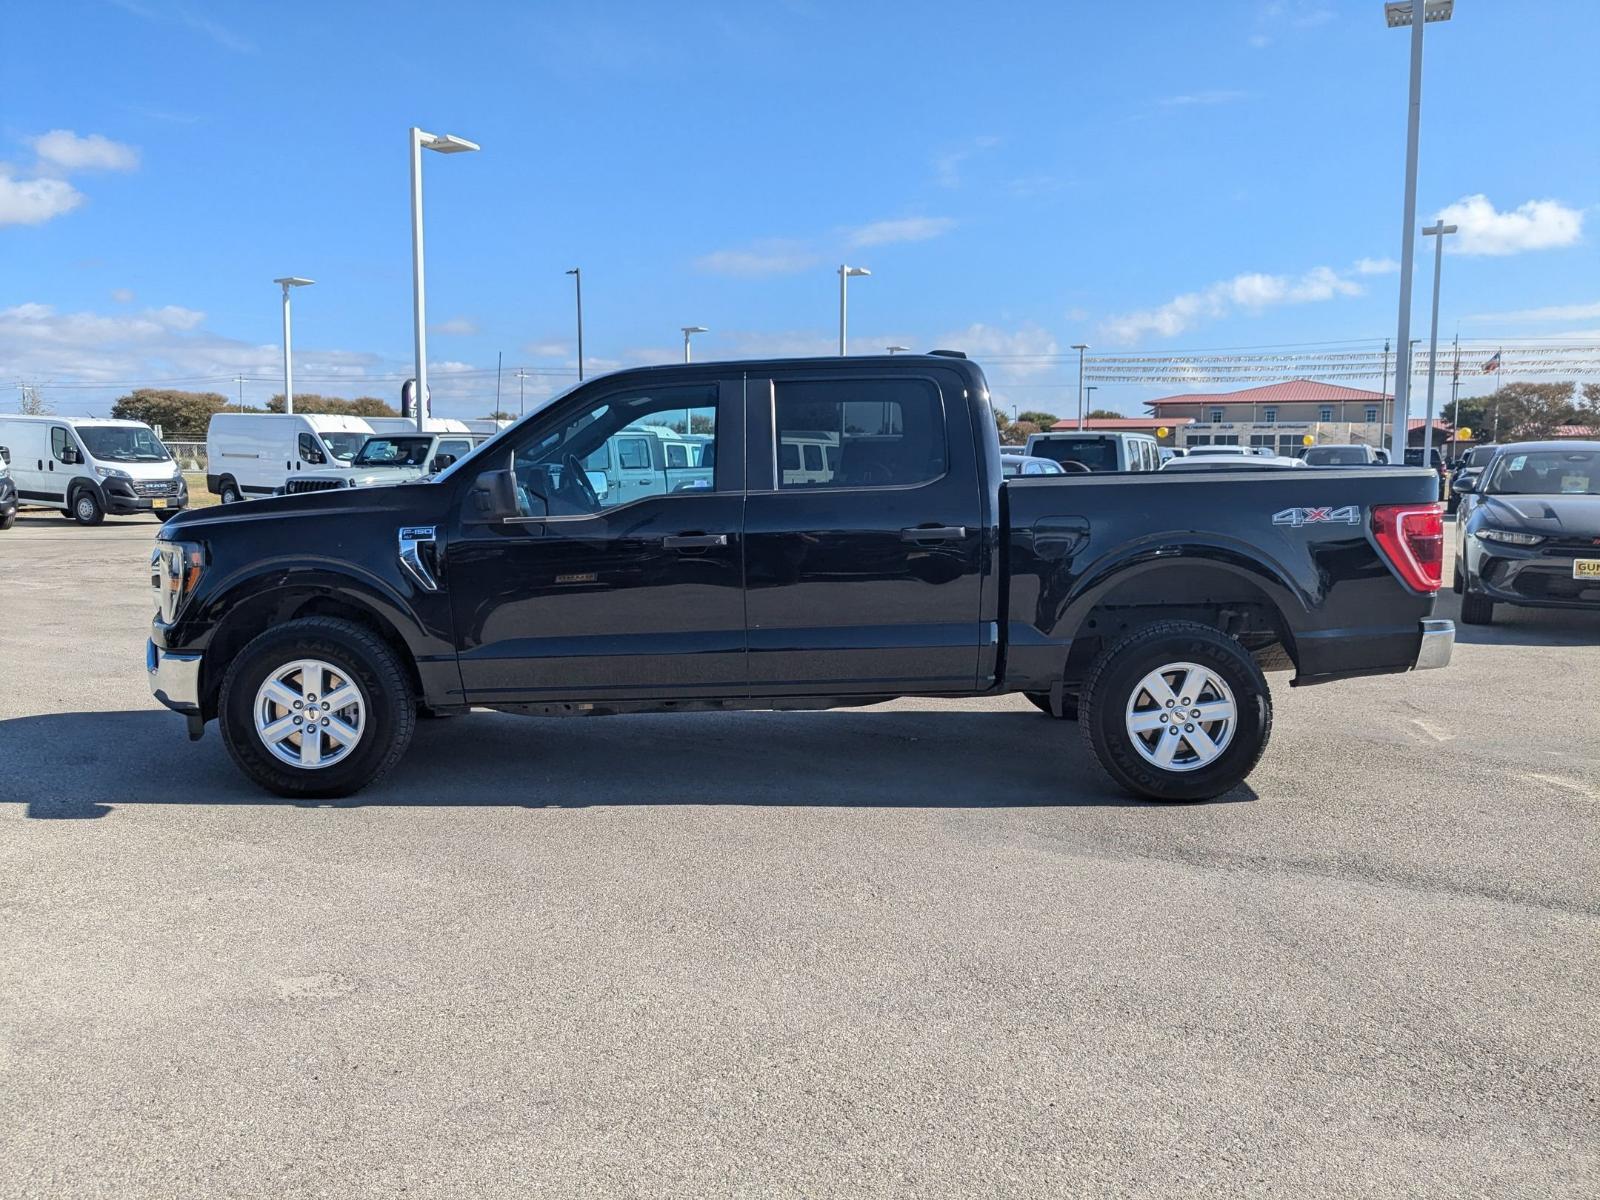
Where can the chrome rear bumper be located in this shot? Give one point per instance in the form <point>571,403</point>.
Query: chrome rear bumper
<point>1438,640</point>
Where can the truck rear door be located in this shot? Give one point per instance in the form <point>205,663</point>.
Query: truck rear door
<point>863,570</point>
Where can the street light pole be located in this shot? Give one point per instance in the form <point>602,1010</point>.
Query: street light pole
<point>1088,398</point>
<point>688,332</point>
<point>577,283</point>
<point>287,282</point>
<point>893,350</point>
<point>1399,15</point>
<point>444,143</point>
<point>1438,231</point>
<point>1080,348</point>
<point>522,406</point>
<point>845,272</point>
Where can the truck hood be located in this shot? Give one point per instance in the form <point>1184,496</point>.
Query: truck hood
<point>410,502</point>
<point>145,471</point>
<point>1552,516</point>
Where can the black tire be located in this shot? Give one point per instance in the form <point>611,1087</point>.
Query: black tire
<point>228,490</point>
<point>1041,701</point>
<point>1457,584</point>
<point>368,662</point>
<point>86,508</point>
<point>1114,680</point>
<point>7,521</point>
<point>1476,610</point>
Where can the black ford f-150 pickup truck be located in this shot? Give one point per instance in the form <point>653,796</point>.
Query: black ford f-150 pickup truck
<point>855,542</point>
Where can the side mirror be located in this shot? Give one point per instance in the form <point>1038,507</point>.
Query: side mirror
<point>69,455</point>
<point>441,461</point>
<point>494,498</point>
<point>1466,484</point>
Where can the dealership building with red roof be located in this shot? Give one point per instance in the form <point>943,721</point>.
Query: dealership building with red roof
<point>1282,416</point>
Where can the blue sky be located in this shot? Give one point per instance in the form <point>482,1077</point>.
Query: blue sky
<point>1147,176</point>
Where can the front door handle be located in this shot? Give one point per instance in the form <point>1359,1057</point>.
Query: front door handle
<point>933,533</point>
<point>694,541</point>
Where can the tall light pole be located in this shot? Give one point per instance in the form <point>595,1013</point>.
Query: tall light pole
<point>845,272</point>
<point>1401,14</point>
<point>1383,394</point>
<point>1088,398</point>
<point>444,143</point>
<point>577,283</point>
<point>893,350</point>
<point>1437,232</point>
<point>522,405</point>
<point>1080,348</point>
<point>287,282</point>
<point>688,332</point>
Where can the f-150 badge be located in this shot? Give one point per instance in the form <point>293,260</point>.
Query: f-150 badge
<point>1348,514</point>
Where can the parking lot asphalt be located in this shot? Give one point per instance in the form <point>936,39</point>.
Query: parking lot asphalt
<point>920,949</point>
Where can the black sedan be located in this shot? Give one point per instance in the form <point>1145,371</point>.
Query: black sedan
<point>1529,531</point>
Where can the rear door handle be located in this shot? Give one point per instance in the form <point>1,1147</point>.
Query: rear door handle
<point>933,533</point>
<point>694,541</point>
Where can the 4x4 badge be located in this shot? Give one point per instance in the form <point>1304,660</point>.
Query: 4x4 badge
<point>1347,514</point>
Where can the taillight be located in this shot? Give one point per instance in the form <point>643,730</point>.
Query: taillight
<point>1412,538</point>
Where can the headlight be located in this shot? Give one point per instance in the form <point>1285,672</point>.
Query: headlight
<point>111,473</point>
<point>175,570</point>
<point>1509,537</point>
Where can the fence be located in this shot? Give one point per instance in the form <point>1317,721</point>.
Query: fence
<point>190,456</point>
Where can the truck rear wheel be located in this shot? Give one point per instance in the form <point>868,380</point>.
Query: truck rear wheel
<point>316,708</point>
<point>1177,711</point>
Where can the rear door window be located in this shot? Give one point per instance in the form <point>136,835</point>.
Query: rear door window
<point>859,433</point>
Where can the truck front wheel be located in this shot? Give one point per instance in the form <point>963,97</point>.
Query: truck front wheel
<point>1177,711</point>
<point>316,708</point>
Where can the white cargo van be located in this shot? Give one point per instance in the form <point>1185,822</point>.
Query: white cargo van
<point>256,454</point>
<point>90,466</point>
<point>403,425</point>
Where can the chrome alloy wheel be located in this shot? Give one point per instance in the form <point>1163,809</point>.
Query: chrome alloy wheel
<point>310,714</point>
<point>1181,717</point>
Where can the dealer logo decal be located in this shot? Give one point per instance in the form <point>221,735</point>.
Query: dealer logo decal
<point>1348,514</point>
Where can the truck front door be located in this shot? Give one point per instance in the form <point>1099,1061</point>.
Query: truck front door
<point>596,597</point>
<point>864,563</point>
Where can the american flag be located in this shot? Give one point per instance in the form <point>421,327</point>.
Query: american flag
<point>1493,365</point>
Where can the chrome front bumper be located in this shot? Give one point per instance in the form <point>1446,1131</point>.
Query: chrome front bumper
<point>175,678</point>
<point>1438,639</point>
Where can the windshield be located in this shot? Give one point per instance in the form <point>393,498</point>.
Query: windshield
<point>343,446</point>
<point>393,452</point>
<point>1546,473</point>
<point>122,443</point>
<point>1098,454</point>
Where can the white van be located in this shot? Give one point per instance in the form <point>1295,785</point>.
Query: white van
<point>404,425</point>
<point>90,466</point>
<point>256,454</point>
<point>1097,450</point>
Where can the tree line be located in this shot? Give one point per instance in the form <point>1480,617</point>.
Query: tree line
<point>185,415</point>
<point>1015,432</point>
<point>1521,412</point>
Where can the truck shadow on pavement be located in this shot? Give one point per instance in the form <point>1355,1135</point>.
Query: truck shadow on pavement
<point>85,765</point>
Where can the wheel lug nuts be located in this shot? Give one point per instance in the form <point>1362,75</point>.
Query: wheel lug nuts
<point>1174,731</point>
<point>299,704</point>
<point>297,720</point>
<point>325,707</point>
<point>1186,728</point>
<point>1164,718</point>
<point>1169,703</point>
<point>1185,700</point>
<point>313,696</point>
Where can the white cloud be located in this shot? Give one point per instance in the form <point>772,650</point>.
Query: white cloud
<point>905,229</point>
<point>550,348</point>
<point>179,12</point>
<point>1211,97</point>
<point>34,201</point>
<point>995,346</point>
<point>1536,225</point>
<point>122,295</point>
<point>1376,266</point>
<point>770,257</point>
<point>63,150</point>
<point>1252,292</point>
<point>455,327</point>
<point>947,165</point>
<point>1554,312</point>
